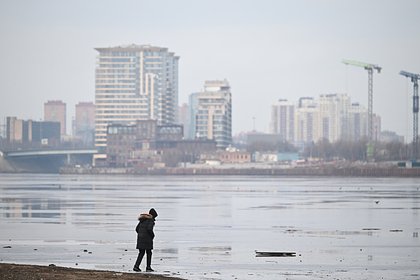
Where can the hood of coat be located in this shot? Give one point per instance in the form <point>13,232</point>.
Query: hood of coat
<point>153,213</point>
<point>144,216</point>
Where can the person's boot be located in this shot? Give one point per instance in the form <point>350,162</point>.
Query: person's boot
<point>149,262</point>
<point>137,269</point>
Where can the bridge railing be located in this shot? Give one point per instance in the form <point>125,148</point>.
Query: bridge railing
<point>15,147</point>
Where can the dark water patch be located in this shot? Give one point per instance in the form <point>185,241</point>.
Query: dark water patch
<point>173,251</point>
<point>274,254</point>
<point>292,230</point>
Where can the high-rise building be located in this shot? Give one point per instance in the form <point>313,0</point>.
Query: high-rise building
<point>135,82</point>
<point>306,121</point>
<point>333,110</point>
<point>332,117</point>
<point>377,127</point>
<point>184,119</point>
<point>84,123</point>
<point>358,122</point>
<point>283,120</point>
<point>212,113</point>
<point>192,108</point>
<point>55,111</point>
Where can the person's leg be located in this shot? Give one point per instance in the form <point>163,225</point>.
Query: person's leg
<point>149,260</point>
<point>139,259</point>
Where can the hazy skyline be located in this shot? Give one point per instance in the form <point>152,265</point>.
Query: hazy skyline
<point>267,50</point>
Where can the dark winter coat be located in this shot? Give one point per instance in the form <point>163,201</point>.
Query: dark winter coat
<point>145,232</point>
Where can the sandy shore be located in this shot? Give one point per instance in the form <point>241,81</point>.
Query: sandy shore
<point>35,272</point>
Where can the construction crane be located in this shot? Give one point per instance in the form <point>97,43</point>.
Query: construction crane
<point>370,68</point>
<point>414,79</point>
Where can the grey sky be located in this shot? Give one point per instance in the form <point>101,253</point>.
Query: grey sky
<point>266,49</point>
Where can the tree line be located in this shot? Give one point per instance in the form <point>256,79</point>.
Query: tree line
<point>348,150</point>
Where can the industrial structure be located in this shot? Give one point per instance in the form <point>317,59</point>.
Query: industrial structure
<point>370,68</point>
<point>414,79</point>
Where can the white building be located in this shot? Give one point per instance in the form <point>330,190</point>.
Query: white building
<point>331,116</point>
<point>283,120</point>
<point>358,122</point>
<point>135,82</point>
<point>211,113</point>
<point>306,121</point>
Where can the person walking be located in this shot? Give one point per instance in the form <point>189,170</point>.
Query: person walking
<point>145,236</point>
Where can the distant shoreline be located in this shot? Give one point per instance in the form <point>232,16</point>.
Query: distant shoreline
<point>367,171</point>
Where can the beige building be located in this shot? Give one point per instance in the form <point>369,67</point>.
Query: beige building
<point>134,82</point>
<point>55,111</point>
<point>26,133</point>
<point>14,130</point>
<point>333,114</point>
<point>84,122</point>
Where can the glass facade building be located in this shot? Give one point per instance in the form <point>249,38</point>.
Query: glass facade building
<point>211,113</point>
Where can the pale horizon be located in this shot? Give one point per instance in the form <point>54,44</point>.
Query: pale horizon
<point>267,50</point>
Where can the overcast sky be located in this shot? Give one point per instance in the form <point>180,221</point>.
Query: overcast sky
<point>266,49</point>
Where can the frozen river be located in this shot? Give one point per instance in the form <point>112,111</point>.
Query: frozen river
<point>210,227</point>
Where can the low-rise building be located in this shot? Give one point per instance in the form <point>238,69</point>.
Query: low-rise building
<point>146,144</point>
<point>29,133</point>
<point>234,157</point>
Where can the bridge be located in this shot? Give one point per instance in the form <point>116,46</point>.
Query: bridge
<point>48,160</point>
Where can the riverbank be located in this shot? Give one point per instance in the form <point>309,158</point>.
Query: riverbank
<point>351,171</point>
<point>36,272</point>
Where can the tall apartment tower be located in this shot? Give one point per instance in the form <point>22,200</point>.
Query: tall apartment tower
<point>283,120</point>
<point>211,113</point>
<point>306,122</point>
<point>55,111</point>
<point>333,110</point>
<point>184,118</point>
<point>332,117</point>
<point>134,82</point>
<point>84,123</point>
<point>358,120</point>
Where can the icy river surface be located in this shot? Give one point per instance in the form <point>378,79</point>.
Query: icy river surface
<point>210,227</point>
